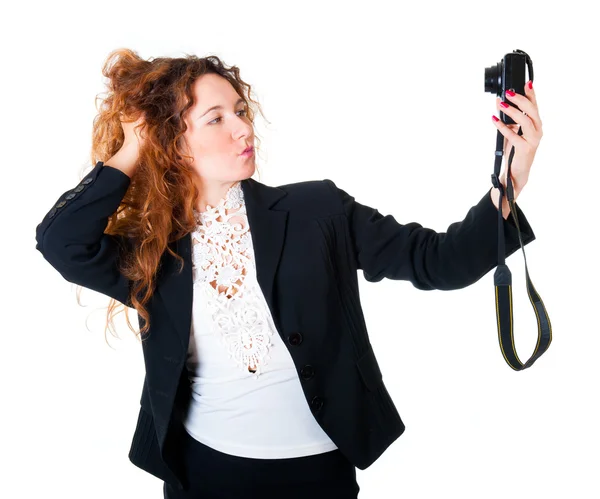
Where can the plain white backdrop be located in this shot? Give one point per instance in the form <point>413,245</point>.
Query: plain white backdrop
<point>387,99</point>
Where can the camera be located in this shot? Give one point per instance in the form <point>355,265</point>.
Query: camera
<point>509,74</point>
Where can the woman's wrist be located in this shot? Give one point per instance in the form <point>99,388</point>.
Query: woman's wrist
<point>495,195</point>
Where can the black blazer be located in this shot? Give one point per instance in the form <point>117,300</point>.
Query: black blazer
<point>310,239</point>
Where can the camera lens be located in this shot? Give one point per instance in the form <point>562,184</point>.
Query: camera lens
<point>493,79</point>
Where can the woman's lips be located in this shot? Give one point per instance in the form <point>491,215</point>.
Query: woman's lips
<point>248,153</point>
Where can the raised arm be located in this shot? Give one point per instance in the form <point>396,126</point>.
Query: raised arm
<point>430,260</point>
<point>71,235</point>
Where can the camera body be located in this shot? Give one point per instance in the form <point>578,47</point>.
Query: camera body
<point>508,74</point>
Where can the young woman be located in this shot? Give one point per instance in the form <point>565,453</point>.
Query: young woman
<point>260,377</point>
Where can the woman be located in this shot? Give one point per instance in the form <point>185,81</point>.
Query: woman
<point>260,377</point>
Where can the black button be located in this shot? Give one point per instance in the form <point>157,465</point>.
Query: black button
<point>79,188</point>
<point>52,213</point>
<point>307,371</point>
<point>70,196</point>
<point>61,204</point>
<point>87,180</point>
<point>295,339</point>
<point>316,404</point>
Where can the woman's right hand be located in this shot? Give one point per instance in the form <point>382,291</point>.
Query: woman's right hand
<point>126,158</point>
<point>133,132</point>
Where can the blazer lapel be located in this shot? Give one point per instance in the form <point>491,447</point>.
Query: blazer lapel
<point>267,229</point>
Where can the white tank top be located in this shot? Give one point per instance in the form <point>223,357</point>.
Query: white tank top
<point>247,398</point>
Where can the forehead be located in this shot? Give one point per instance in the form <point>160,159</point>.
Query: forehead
<point>210,89</point>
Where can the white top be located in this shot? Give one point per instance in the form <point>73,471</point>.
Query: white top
<point>247,398</point>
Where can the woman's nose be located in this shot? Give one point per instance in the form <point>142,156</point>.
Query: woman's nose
<point>244,129</point>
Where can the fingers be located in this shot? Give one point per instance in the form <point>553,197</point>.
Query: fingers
<point>507,144</point>
<point>528,104</point>
<point>509,135</point>
<point>518,117</point>
<point>530,93</point>
<point>132,119</point>
<point>530,122</point>
<point>133,128</point>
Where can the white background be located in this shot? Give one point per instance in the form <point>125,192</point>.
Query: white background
<point>386,99</point>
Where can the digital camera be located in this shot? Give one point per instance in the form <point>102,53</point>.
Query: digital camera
<point>509,74</point>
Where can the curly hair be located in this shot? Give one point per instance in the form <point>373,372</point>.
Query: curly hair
<point>158,205</point>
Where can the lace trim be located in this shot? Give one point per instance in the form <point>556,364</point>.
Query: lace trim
<point>222,254</point>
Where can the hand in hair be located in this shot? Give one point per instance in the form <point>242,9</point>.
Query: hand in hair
<point>126,158</point>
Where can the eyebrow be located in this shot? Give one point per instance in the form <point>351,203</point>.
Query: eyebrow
<point>240,100</point>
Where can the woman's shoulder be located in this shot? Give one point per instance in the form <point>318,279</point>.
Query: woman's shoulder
<point>315,197</point>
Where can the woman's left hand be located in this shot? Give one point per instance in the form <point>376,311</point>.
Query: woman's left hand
<point>525,145</point>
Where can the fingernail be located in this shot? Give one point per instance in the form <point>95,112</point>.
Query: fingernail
<point>504,104</point>
<point>494,118</point>
<point>509,93</point>
<point>530,83</point>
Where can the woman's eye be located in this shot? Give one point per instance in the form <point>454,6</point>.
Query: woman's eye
<point>240,111</point>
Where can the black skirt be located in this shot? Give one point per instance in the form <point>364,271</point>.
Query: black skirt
<point>214,475</point>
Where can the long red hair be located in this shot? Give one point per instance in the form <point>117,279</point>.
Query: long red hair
<point>158,205</point>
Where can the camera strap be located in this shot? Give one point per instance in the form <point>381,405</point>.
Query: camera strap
<point>503,277</point>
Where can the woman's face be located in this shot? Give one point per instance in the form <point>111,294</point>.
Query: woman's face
<point>217,138</point>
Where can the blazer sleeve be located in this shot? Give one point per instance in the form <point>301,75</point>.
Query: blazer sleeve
<point>71,235</point>
<point>430,260</point>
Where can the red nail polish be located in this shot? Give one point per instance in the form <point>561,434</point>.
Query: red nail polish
<point>530,84</point>
<point>504,104</point>
<point>509,93</point>
<point>494,118</point>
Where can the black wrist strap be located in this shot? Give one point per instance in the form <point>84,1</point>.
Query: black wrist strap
<point>503,277</point>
